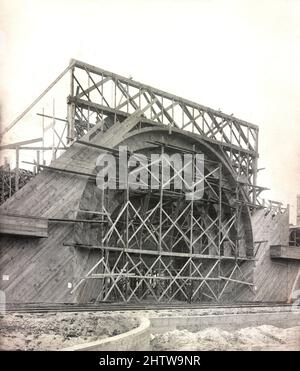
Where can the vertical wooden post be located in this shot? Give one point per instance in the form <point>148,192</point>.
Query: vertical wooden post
<point>127,232</point>
<point>38,161</point>
<point>88,123</point>
<point>115,99</point>
<point>53,131</point>
<point>3,180</point>
<point>254,168</point>
<point>220,227</point>
<point>71,110</point>
<point>43,137</point>
<point>17,175</point>
<point>102,96</point>
<point>161,197</point>
<point>9,171</point>
<point>160,213</point>
<point>194,180</point>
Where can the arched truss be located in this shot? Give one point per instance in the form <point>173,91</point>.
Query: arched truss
<point>158,245</point>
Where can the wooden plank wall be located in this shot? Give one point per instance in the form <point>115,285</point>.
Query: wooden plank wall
<point>40,269</point>
<point>273,278</point>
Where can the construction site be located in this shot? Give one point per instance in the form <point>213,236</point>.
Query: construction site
<point>68,244</point>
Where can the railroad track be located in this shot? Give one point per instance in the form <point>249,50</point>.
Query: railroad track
<point>111,307</point>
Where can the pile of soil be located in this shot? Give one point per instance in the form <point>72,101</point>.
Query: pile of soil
<point>54,331</point>
<point>251,338</point>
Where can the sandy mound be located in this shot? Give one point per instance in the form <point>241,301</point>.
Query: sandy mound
<point>250,338</point>
<point>59,330</point>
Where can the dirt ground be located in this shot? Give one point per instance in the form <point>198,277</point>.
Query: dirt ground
<point>55,331</point>
<point>251,338</point>
<point>59,330</point>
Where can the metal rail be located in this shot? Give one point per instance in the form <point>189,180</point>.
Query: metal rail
<point>107,307</point>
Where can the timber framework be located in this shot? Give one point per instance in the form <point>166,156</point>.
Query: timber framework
<point>63,239</point>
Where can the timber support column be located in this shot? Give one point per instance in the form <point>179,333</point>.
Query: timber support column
<point>71,109</point>
<point>298,210</point>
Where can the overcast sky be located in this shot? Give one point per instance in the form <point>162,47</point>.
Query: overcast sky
<point>242,57</point>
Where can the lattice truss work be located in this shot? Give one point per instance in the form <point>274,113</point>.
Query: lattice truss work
<point>165,246</point>
<point>99,95</point>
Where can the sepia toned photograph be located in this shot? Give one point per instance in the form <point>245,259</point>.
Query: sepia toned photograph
<point>149,178</point>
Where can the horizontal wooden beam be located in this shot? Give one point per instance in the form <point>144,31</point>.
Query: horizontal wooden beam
<point>284,252</point>
<point>156,252</point>
<point>18,144</point>
<point>61,170</point>
<point>69,220</point>
<point>36,219</point>
<point>152,277</point>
